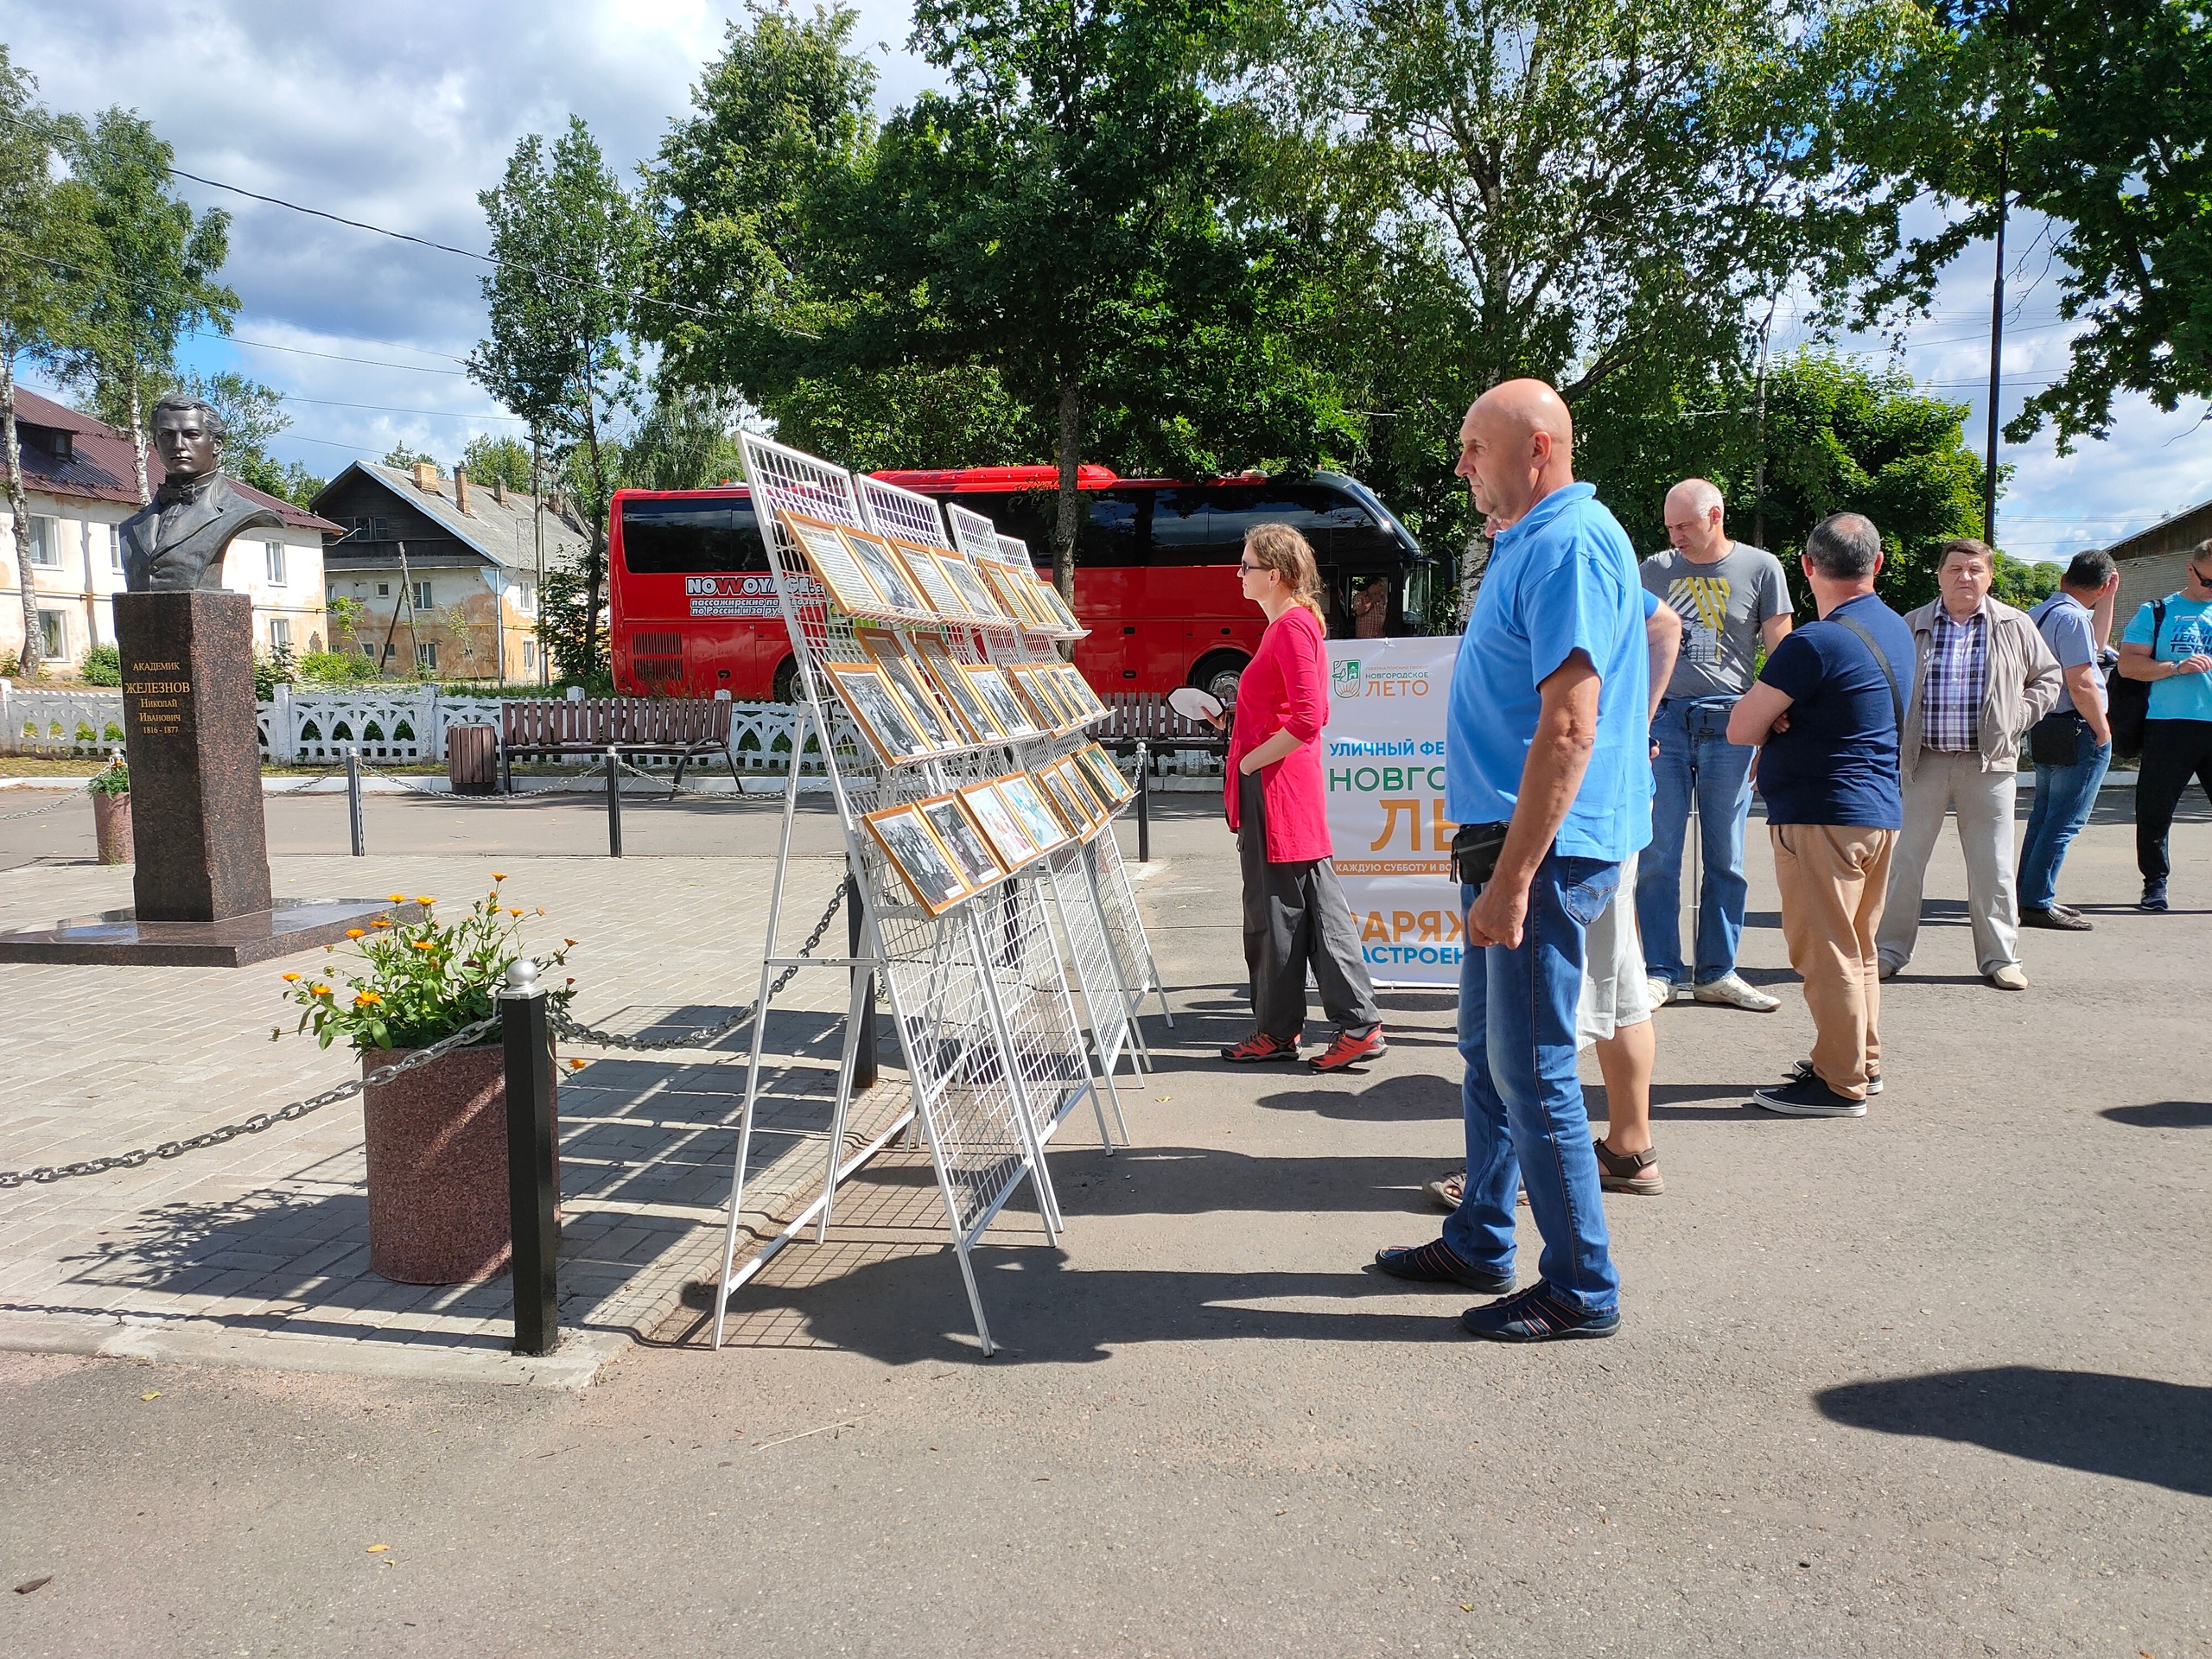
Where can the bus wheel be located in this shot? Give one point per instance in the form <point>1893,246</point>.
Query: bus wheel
<point>1217,675</point>
<point>786,681</point>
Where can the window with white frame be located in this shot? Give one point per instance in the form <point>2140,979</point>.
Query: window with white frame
<point>280,632</point>
<point>45,541</point>
<point>529,654</point>
<point>384,590</point>
<point>53,635</point>
<point>426,654</point>
<point>276,551</point>
<point>525,599</point>
<point>106,533</point>
<point>422,596</point>
<point>368,648</point>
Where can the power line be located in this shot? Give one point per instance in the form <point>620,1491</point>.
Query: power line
<point>392,408</point>
<point>340,357</point>
<point>335,218</point>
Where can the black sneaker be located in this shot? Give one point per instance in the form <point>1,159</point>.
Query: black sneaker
<point>1808,1097</point>
<point>2062,917</point>
<point>1537,1315</point>
<point>1803,1072</point>
<point>1437,1263</point>
<point>2154,896</point>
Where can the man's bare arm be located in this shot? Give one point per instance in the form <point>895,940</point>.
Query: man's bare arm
<point>1756,712</point>
<point>1662,643</point>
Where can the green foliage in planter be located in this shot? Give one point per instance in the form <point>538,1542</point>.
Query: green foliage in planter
<point>115,781</point>
<point>416,983</point>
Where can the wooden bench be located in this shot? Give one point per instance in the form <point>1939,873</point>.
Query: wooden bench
<point>1144,717</point>
<point>689,729</point>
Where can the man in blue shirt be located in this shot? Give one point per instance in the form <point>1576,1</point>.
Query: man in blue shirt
<point>2174,653</point>
<point>1827,711</point>
<point>2072,746</point>
<point>1547,746</point>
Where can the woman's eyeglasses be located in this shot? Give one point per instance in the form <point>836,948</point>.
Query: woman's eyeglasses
<point>1245,566</point>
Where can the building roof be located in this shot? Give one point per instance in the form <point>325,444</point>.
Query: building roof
<point>2185,529</point>
<point>504,532</point>
<point>98,468</point>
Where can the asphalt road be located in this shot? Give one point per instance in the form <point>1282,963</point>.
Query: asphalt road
<point>1934,1382</point>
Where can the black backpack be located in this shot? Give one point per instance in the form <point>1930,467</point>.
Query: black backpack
<point>2128,701</point>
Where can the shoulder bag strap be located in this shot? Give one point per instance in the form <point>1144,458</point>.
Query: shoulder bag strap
<point>1897,702</point>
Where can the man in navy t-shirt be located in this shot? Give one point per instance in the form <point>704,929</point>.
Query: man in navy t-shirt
<point>1826,712</point>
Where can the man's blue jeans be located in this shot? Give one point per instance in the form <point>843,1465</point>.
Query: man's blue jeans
<point>1695,757</point>
<point>2065,795</point>
<point>1526,1123</point>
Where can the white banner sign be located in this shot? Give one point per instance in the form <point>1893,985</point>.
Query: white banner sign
<point>1382,760</point>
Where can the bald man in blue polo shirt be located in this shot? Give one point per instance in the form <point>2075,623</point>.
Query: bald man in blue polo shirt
<point>1547,743</point>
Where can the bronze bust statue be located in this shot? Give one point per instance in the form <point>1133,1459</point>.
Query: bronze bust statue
<point>177,543</point>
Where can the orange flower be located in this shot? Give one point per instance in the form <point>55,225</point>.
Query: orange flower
<point>367,1000</point>
<point>422,945</point>
<point>396,897</point>
<point>577,1066</point>
<point>497,876</point>
<point>425,898</point>
<point>381,921</point>
<point>568,942</point>
<point>318,990</point>
<point>357,934</point>
<point>290,978</point>
<point>541,910</point>
<point>514,912</point>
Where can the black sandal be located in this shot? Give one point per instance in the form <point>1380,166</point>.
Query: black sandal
<point>1624,1172</point>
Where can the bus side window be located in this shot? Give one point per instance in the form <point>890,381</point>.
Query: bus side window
<point>1183,530</point>
<point>1312,509</point>
<point>1115,532</point>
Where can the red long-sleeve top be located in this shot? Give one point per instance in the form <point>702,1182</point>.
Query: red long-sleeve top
<point>1286,688</point>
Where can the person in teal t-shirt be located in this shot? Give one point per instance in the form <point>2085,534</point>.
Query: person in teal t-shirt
<point>2175,656</point>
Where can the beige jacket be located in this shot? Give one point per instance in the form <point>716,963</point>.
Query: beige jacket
<point>2023,684</point>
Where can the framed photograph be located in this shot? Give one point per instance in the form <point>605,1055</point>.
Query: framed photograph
<point>877,710</point>
<point>919,857</point>
<point>1105,777</point>
<point>842,574</point>
<point>1058,608</point>
<point>1086,700</point>
<point>1040,707</point>
<point>1013,596</point>
<point>1056,791</point>
<point>920,563</point>
<point>954,690</point>
<point>889,577</point>
<point>990,685</point>
<point>1046,679</point>
<point>980,602</point>
<point>1000,824</point>
<point>904,676</point>
<point>1042,825</point>
<point>1094,809</point>
<point>963,839</point>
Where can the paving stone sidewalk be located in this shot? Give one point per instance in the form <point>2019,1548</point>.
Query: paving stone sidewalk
<point>255,1251</point>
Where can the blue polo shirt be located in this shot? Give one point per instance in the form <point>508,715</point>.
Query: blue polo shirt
<point>1562,579</point>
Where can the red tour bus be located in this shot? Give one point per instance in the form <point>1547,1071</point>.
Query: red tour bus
<point>694,608</point>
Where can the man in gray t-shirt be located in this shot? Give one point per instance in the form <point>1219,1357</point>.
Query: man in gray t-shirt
<point>1733,601</point>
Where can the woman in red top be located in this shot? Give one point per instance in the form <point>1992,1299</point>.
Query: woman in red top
<point>1294,910</point>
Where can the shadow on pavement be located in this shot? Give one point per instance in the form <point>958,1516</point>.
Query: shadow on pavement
<point>2163,1115</point>
<point>2130,1427</point>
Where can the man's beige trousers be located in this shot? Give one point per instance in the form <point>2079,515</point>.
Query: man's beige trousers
<point>1833,878</point>
<point>1985,804</point>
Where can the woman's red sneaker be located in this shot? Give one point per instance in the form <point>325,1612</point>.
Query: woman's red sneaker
<point>1350,1050</point>
<point>1260,1047</point>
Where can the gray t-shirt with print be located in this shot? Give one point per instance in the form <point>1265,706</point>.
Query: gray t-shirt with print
<point>1724,606</point>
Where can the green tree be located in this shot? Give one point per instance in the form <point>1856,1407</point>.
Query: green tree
<point>41,234</point>
<point>686,442</point>
<point>153,281</point>
<point>486,458</point>
<point>904,417</point>
<point>253,414</point>
<point>2094,116</point>
<point>401,457</point>
<point>1604,195</point>
<point>570,243</point>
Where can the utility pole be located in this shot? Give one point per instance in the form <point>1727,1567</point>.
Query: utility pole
<point>1759,426</point>
<point>537,526</point>
<point>1996,336</point>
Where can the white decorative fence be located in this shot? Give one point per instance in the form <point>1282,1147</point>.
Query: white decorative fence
<point>392,724</point>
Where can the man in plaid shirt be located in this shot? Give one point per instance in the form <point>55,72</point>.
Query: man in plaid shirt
<point>1983,676</point>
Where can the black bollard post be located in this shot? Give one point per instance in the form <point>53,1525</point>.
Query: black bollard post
<point>353,800</point>
<point>1144,803</point>
<point>864,1057</point>
<point>613,801</point>
<point>527,1037</point>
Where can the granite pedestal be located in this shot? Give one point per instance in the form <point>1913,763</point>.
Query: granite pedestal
<point>201,881</point>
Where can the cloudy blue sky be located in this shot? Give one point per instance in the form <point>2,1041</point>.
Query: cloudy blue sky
<point>397,114</point>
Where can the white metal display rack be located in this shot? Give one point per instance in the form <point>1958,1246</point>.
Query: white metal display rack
<point>995,1060</point>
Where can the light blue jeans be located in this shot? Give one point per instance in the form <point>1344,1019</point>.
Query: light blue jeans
<point>1526,1123</point>
<point>1695,759</point>
<point>2065,795</point>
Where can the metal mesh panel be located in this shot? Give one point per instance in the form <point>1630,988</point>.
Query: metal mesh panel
<point>896,511</point>
<point>1117,899</point>
<point>972,533</point>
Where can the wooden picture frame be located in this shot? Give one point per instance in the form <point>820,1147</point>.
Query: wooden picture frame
<point>954,690</point>
<point>902,672</point>
<point>1089,704</point>
<point>964,838</point>
<point>1094,809</point>
<point>843,577</point>
<point>891,729</point>
<point>1022,677</point>
<point>1055,789</point>
<point>890,578</point>
<point>1039,819</point>
<point>1012,591</point>
<point>1105,777</point>
<point>921,563</point>
<point>1000,824</point>
<point>922,862</point>
<point>981,602</point>
<point>1005,707</point>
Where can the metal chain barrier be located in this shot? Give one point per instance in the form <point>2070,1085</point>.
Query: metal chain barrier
<point>699,1036</point>
<point>328,771</point>
<point>258,1123</point>
<point>61,798</point>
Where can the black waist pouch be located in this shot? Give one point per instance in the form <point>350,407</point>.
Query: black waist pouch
<point>1474,852</point>
<point>2055,740</point>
